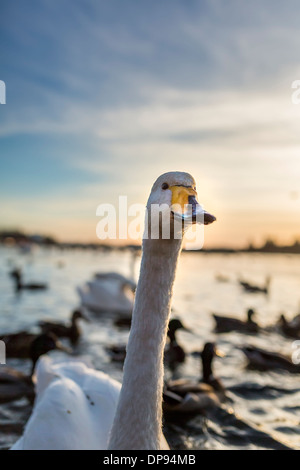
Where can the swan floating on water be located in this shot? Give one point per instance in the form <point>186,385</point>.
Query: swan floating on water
<point>74,408</point>
<point>79,408</point>
<point>108,292</point>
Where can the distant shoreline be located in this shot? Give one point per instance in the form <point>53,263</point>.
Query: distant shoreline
<point>23,240</point>
<point>283,251</point>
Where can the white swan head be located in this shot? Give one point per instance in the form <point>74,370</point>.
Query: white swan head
<point>174,195</point>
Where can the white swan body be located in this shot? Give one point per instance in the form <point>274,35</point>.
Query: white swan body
<point>130,419</point>
<point>74,408</point>
<point>108,292</point>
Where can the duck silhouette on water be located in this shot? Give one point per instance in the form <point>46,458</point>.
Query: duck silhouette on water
<point>290,329</point>
<point>263,360</point>
<point>17,275</point>
<point>20,345</point>
<point>174,352</point>
<point>61,330</point>
<point>185,397</point>
<point>15,384</point>
<point>254,289</point>
<point>227,324</point>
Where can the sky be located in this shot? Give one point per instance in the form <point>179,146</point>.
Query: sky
<point>104,96</point>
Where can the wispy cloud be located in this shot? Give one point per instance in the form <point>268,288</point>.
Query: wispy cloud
<point>120,92</point>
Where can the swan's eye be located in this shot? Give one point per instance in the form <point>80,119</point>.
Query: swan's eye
<point>165,186</point>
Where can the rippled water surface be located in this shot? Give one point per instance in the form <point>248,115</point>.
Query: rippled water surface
<point>265,407</point>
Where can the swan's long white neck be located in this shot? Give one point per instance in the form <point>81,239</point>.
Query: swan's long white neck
<point>138,421</point>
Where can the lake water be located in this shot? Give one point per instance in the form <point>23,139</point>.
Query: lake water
<point>265,408</point>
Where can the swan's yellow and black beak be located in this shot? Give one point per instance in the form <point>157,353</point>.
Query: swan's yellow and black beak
<point>185,206</point>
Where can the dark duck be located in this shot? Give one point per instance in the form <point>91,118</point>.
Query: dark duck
<point>61,330</point>
<point>19,345</point>
<point>185,397</point>
<point>227,324</point>
<point>254,289</point>
<point>174,352</point>
<point>16,274</point>
<point>290,329</point>
<point>262,360</point>
<point>15,384</point>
